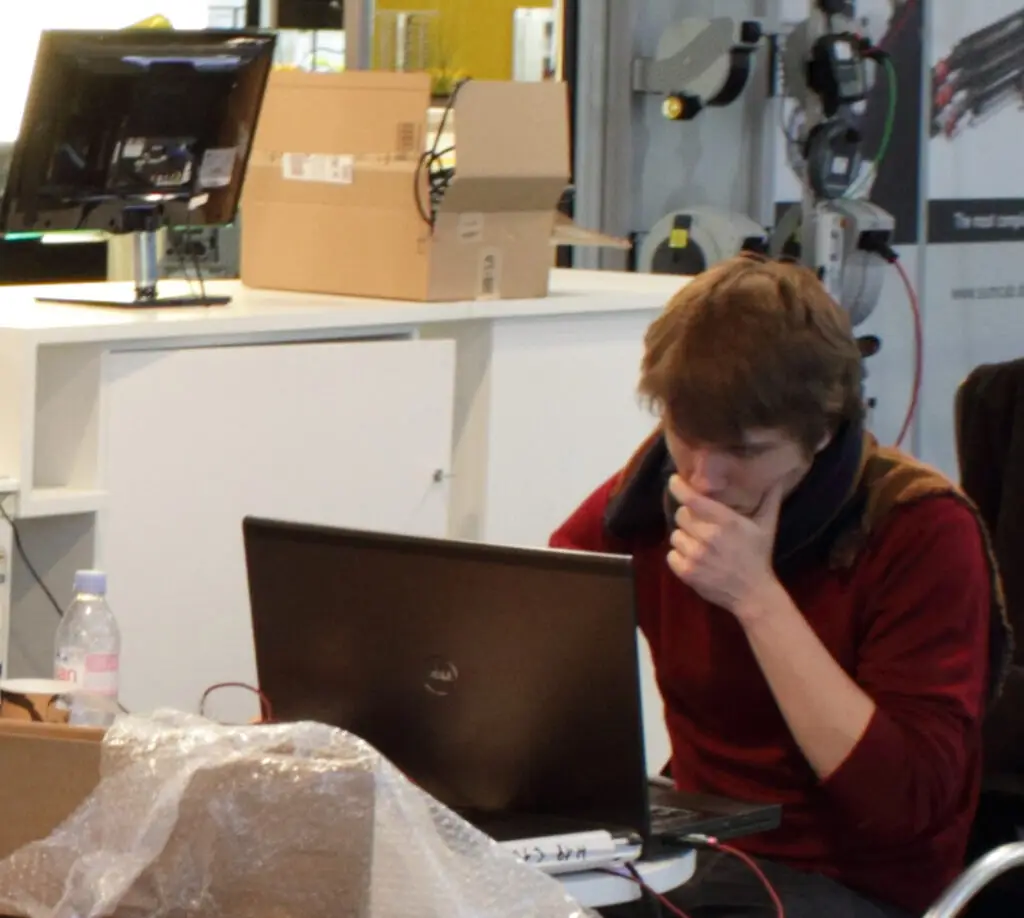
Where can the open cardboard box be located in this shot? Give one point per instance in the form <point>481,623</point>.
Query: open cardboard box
<point>335,190</point>
<point>46,772</point>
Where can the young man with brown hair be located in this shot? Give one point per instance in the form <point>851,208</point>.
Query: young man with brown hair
<point>823,613</point>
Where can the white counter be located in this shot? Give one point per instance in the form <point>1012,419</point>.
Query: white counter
<point>272,312</point>
<point>136,440</point>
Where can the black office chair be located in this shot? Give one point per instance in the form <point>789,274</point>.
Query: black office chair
<point>990,448</point>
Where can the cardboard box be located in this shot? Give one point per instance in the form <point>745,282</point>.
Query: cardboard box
<point>336,190</point>
<point>306,847</point>
<point>312,856</point>
<point>46,772</point>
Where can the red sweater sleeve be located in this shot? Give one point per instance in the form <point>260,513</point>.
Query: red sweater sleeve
<point>584,530</point>
<point>924,663</point>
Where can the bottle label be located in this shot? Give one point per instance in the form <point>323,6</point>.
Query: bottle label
<point>69,666</point>
<point>96,673</point>
<point>101,672</point>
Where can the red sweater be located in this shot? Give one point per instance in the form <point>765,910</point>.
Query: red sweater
<point>909,622</point>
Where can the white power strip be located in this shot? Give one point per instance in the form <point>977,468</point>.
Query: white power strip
<point>578,851</point>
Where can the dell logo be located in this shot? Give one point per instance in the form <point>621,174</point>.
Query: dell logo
<point>441,677</point>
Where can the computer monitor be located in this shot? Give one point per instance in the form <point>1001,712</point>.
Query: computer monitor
<point>129,131</point>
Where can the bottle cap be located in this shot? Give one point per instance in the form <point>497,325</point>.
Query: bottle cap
<point>92,582</point>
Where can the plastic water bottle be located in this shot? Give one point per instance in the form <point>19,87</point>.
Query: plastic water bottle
<point>88,651</point>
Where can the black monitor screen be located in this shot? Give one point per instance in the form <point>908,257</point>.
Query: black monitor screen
<point>136,119</point>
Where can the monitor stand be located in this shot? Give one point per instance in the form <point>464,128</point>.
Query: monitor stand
<point>146,269</point>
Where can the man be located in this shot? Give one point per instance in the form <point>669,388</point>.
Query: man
<point>821,611</point>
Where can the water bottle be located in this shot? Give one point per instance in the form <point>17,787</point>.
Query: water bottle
<point>88,651</point>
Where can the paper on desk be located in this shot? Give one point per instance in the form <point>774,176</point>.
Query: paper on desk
<point>573,852</point>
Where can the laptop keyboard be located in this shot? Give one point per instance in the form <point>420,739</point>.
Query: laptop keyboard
<point>665,817</point>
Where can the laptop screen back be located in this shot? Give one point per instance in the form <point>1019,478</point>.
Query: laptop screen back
<point>500,680</point>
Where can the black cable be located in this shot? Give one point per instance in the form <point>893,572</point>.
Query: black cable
<point>651,900</point>
<point>183,251</point>
<point>656,903</point>
<point>438,177</point>
<point>195,259</point>
<point>24,557</point>
<point>417,194</point>
<point>174,234</point>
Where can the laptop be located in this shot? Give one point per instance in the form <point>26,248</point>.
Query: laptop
<point>503,681</point>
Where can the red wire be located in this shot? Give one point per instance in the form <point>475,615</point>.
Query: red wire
<point>898,26</point>
<point>915,393</point>
<point>266,712</point>
<point>666,903</point>
<point>713,843</point>
<point>780,910</point>
<point>634,875</point>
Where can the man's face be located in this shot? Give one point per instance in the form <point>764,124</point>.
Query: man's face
<point>740,475</point>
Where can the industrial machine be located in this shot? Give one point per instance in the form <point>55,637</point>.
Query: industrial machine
<point>699,63</point>
<point>690,241</point>
<point>828,68</point>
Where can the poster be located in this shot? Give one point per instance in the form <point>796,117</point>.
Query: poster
<point>975,183</point>
<point>973,283</point>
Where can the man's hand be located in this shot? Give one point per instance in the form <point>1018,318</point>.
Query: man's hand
<point>727,559</point>
<point>722,555</point>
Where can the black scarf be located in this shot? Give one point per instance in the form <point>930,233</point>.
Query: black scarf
<point>818,507</point>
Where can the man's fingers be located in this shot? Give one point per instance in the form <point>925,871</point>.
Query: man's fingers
<point>684,551</point>
<point>688,522</point>
<point>703,507</point>
<point>678,565</point>
<point>685,544</point>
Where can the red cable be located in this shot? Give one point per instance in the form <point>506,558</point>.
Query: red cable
<point>915,393</point>
<point>898,26</point>
<point>266,711</point>
<point>780,910</point>
<point>666,903</point>
<point>633,874</point>
<point>713,843</point>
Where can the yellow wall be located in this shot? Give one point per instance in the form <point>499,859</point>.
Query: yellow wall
<point>474,35</point>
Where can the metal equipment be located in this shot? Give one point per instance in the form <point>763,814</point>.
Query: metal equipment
<point>844,238</point>
<point>692,240</point>
<point>982,872</point>
<point>699,63</point>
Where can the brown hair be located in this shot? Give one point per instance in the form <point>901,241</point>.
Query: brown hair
<point>749,344</point>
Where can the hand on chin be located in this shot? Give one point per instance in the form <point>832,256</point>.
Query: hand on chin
<point>721,553</point>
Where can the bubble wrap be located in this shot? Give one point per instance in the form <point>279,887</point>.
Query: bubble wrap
<point>192,818</point>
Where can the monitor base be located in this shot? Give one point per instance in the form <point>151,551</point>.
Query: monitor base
<point>160,302</point>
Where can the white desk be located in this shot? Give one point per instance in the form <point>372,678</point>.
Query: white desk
<point>599,889</point>
<point>137,439</point>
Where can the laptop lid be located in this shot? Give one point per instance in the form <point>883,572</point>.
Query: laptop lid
<point>501,680</point>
